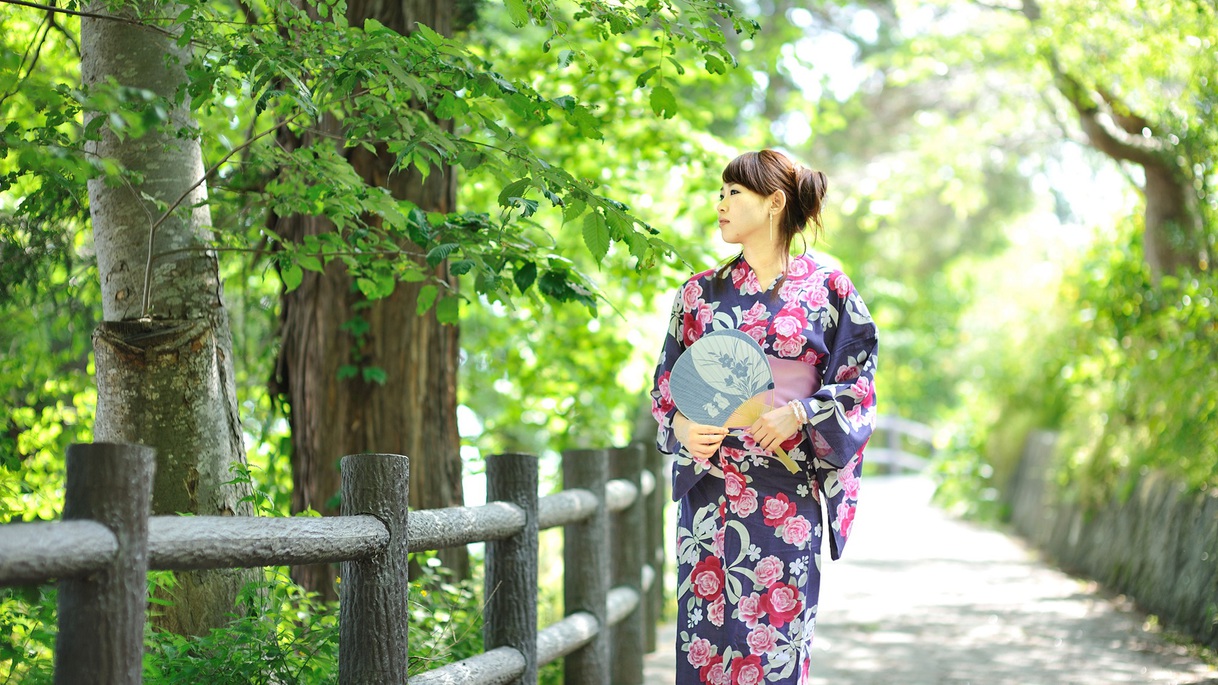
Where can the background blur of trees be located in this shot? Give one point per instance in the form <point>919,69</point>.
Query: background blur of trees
<point>1024,191</point>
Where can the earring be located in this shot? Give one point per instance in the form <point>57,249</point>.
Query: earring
<point>771,227</point>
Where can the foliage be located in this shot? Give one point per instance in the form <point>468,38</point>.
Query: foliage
<point>280,634</point>
<point>1138,367</point>
<point>286,69</point>
<point>280,67</point>
<point>589,136</point>
<point>46,296</point>
<point>565,380</point>
<point>1122,367</point>
<point>445,615</point>
<point>27,621</point>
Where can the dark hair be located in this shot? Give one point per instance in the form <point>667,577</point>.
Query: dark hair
<point>768,171</point>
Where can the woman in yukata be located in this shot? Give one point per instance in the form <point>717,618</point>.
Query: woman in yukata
<point>749,531</point>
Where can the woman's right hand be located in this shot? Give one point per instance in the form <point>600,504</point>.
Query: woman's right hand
<point>701,440</point>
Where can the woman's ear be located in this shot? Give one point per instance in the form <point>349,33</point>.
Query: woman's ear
<point>778,202</point>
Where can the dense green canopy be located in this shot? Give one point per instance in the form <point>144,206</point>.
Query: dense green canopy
<point>997,170</point>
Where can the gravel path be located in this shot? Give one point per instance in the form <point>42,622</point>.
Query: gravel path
<point>924,599</point>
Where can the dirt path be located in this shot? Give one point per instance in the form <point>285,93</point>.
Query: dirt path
<point>924,599</point>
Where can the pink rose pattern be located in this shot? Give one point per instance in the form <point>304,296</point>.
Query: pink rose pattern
<point>749,543</point>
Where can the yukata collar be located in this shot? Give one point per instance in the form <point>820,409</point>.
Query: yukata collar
<point>781,274</point>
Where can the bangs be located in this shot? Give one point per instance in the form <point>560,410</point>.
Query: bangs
<point>749,170</point>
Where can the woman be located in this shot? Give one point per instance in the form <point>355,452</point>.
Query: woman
<point>749,531</point>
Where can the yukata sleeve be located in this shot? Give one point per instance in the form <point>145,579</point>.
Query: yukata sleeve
<point>662,406</point>
<point>842,415</point>
<point>687,470</point>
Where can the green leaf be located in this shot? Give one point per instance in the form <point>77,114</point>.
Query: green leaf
<point>470,159</point>
<point>310,262</point>
<point>374,374</point>
<point>638,244</point>
<point>573,210</point>
<point>448,309</point>
<point>439,253</point>
<point>517,11</point>
<point>357,326</point>
<point>524,276</point>
<point>596,235</point>
<point>292,276</point>
<point>426,33</point>
<point>427,297</point>
<point>381,285</point>
<point>586,122</point>
<point>450,106</point>
<point>714,65</point>
<point>515,189</point>
<point>412,275</point>
<point>646,76</point>
<point>663,102</point>
<point>347,371</point>
<point>554,285</point>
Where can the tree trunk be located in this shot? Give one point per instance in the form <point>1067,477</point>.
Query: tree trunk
<point>1172,235</point>
<point>164,375</point>
<point>414,411</point>
<point>1172,232</point>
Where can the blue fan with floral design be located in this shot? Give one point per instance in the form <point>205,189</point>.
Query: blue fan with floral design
<point>723,379</point>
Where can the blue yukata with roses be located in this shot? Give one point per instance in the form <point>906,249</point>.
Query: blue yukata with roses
<point>749,531</point>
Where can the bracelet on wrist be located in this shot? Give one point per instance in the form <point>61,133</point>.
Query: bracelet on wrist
<point>801,413</point>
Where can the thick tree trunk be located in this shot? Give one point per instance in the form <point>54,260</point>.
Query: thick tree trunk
<point>414,411</point>
<point>1172,230</point>
<point>164,375</point>
<point>1173,234</point>
<point>1173,239</point>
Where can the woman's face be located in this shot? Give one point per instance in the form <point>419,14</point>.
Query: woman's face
<point>744,216</point>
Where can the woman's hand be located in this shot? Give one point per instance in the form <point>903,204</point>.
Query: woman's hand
<point>774,427</point>
<point>701,440</point>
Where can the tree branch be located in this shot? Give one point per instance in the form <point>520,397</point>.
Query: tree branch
<point>89,15</point>
<point>1123,115</point>
<point>67,35</point>
<point>1021,9</point>
<point>1107,139</point>
<point>36,49</point>
<point>182,198</point>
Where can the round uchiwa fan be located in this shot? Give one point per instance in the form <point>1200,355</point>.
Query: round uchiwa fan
<point>723,379</point>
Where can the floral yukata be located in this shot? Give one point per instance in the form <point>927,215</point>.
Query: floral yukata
<point>748,543</point>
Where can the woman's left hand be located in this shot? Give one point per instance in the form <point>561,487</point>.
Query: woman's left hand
<point>774,427</point>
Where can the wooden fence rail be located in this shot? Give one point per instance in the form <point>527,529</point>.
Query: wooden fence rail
<point>891,452</point>
<point>107,542</point>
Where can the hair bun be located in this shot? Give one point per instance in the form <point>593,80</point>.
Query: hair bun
<point>810,194</point>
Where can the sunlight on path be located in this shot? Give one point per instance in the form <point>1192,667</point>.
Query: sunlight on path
<point>923,599</point>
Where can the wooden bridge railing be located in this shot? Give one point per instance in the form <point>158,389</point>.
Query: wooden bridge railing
<point>106,543</point>
<point>889,451</point>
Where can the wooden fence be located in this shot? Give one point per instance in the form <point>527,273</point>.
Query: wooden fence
<point>890,452</point>
<point>107,542</point>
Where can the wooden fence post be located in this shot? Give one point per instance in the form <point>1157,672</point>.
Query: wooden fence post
<point>892,440</point>
<point>511,564</point>
<point>655,551</point>
<point>586,567</point>
<point>374,592</point>
<point>628,545</point>
<point>101,616</point>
